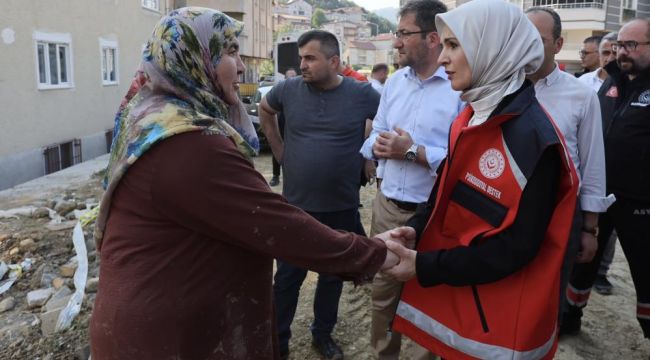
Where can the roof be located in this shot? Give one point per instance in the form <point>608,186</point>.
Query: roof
<point>363,45</point>
<point>294,17</point>
<point>383,36</point>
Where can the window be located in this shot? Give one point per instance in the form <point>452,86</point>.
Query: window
<point>53,60</point>
<point>108,134</point>
<point>109,60</point>
<point>570,4</point>
<point>61,156</point>
<point>151,4</point>
<point>628,10</point>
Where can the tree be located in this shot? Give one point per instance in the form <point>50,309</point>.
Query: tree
<point>383,25</point>
<point>318,18</point>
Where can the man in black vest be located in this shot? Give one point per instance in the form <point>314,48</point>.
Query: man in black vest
<point>625,105</point>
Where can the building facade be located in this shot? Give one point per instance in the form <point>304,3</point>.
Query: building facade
<point>256,42</point>
<point>295,8</point>
<point>581,19</point>
<point>68,65</point>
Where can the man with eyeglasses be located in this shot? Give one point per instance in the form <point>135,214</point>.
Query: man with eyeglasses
<point>409,139</point>
<point>589,55</point>
<point>625,105</point>
<point>596,78</point>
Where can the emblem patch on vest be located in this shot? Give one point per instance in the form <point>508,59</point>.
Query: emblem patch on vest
<point>644,99</point>
<point>612,92</point>
<point>492,163</point>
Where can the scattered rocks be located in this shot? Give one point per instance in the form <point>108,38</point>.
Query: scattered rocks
<point>36,298</point>
<point>27,245</point>
<point>7,304</point>
<point>63,207</point>
<point>4,237</point>
<point>92,284</point>
<point>41,212</point>
<point>14,251</point>
<point>48,321</point>
<point>82,353</point>
<point>59,299</point>
<point>58,282</point>
<point>67,270</point>
<point>43,276</point>
<point>16,326</point>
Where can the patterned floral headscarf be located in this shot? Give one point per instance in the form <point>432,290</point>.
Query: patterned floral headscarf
<point>175,91</point>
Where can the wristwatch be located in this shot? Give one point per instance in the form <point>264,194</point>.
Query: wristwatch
<point>412,153</point>
<point>593,231</point>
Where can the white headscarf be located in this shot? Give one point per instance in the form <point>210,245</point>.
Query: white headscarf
<point>501,46</point>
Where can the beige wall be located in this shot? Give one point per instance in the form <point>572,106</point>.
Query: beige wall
<point>256,42</point>
<point>33,118</point>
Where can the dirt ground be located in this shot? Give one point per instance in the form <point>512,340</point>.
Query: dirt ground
<point>610,329</point>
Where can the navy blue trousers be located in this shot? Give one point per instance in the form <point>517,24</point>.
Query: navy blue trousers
<point>289,278</point>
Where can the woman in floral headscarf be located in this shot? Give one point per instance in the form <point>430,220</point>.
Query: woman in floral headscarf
<point>187,229</point>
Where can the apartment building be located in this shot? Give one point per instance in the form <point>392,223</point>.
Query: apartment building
<point>295,8</point>
<point>581,19</point>
<point>256,42</point>
<point>66,66</point>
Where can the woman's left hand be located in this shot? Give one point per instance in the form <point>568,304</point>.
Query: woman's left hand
<point>405,269</point>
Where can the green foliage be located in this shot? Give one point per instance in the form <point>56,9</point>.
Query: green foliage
<point>286,28</point>
<point>318,18</point>
<point>383,24</point>
<point>267,68</point>
<point>330,4</point>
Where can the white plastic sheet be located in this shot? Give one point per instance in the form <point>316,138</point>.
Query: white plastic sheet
<point>71,310</point>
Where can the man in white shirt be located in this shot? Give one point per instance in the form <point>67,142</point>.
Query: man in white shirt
<point>409,139</point>
<point>378,76</point>
<point>595,78</point>
<point>576,112</point>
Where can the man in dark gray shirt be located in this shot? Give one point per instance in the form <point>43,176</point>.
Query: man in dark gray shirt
<point>325,117</point>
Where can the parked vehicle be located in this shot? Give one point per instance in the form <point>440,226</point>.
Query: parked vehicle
<point>252,104</point>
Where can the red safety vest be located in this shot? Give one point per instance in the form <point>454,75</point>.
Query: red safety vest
<point>478,196</point>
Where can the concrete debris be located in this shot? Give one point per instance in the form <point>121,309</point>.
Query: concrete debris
<point>41,212</point>
<point>92,284</point>
<point>27,245</point>
<point>65,225</point>
<point>67,270</point>
<point>63,207</point>
<point>43,276</point>
<point>14,326</point>
<point>7,304</point>
<point>58,282</point>
<point>14,213</point>
<point>37,298</point>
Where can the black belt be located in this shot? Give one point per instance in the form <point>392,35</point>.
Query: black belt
<point>404,205</point>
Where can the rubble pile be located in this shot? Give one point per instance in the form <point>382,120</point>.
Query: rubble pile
<point>37,265</point>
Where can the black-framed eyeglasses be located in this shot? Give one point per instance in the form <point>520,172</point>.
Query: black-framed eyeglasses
<point>629,45</point>
<point>399,34</point>
<point>584,53</point>
<point>607,53</point>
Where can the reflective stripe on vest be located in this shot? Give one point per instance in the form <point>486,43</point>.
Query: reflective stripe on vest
<point>643,311</point>
<point>577,297</point>
<point>468,346</point>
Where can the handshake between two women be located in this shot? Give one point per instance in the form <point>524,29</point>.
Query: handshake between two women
<point>400,258</point>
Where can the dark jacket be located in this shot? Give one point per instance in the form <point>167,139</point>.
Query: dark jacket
<point>625,106</point>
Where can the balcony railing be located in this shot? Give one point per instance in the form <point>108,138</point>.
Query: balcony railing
<point>570,4</point>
